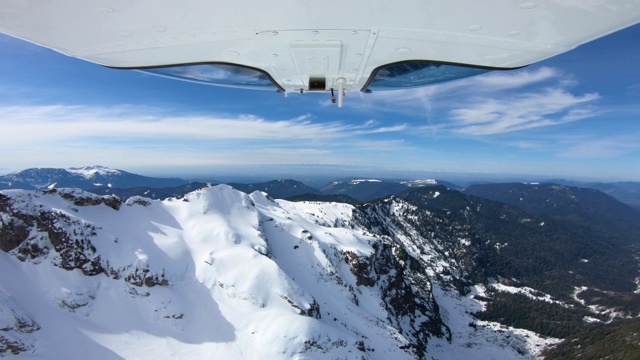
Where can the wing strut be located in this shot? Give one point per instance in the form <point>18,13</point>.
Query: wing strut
<point>340,81</point>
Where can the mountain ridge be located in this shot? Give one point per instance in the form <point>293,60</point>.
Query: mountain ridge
<point>144,251</point>
<point>360,189</point>
<point>584,207</point>
<point>86,178</point>
<point>522,261</point>
<point>314,281</point>
<point>444,273</point>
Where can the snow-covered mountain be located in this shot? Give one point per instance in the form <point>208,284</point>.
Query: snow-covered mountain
<point>224,274</point>
<point>86,178</point>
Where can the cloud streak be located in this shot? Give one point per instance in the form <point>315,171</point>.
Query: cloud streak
<point>56,123</point>
<point>485,105</point>
<point>446,93</point>
<point>497,116</point>
<point>500,80</point>
<point>134,134</point>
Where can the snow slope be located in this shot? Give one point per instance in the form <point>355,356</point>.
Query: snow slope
<point>219,274</point>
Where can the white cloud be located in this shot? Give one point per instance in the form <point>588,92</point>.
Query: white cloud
<point>385,129</point>
<point>486,105</point>
<point>489,83</point>
<point>531,110</point>
<point>56,123</point>
<point>52,135</point>
<point>500,80</point>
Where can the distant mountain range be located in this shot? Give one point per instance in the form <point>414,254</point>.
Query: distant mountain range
<point>280,189</point>
<point>105,181</point>
<point>626,191</point>
<point>364,189</point>
<point>85,178</point>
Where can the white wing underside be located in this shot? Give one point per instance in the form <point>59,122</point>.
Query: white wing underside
<point>296,41</point>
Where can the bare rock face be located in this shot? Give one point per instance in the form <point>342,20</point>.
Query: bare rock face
<point>16,327</point>
<point>14,229</point>
<point>139,276</point>
<point>406,291</point>
<point>81,198</point>
<point>31,232</point>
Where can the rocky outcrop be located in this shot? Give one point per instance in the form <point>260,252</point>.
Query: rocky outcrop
<point>13,225</point>
<point>32,236</point>
<point>406,292</point>
<point>446,246</point>
<point>15,327</point>
<point>33,233</point>
<point>81,198</point>
<point>139,276</point>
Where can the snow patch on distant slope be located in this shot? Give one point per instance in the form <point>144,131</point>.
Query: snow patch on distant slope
<point>417,183</point>
<point>356,182</point>
<point>89,172</point>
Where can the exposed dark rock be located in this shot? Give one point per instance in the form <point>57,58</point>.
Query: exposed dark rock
<point>314,310</point>
<point>13,347</point>
<point>360,267</point>
<point>15,230</point>
<point>14,327</point>
<point>75,252</point>
<point>139,276</point>
<point>406,292</point>
<point>22,324</point>
<point>31,232</point>
<point>24,233</point>
<point>141,201</point>
<point>111,201</point>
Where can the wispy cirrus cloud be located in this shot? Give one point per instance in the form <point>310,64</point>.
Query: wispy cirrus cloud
<point>384,129</point>
<point>137,134</point>
<point>495,103</point>
<point>445,94</point>
<point>59,122</point>
<point>521,112</point>
<point>501,80</point>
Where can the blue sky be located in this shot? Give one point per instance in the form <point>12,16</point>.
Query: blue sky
<point>575,116</point>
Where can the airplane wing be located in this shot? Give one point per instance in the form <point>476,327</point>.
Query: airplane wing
<point>294,45</point>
